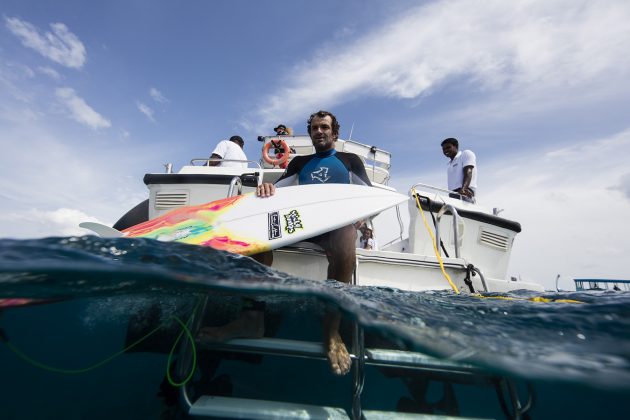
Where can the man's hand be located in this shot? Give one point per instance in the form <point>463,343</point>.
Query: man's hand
<point>467,192</point>
<point>265,190</point>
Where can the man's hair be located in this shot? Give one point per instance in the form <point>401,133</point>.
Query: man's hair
<point>450,140</point>
<point>237,139</point>
<point>323,114</point>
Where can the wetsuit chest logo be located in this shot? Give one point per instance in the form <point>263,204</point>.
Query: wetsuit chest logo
<point>320,175</point>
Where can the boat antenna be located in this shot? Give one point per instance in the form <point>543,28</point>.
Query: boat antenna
<point>557,278</point>
<point>351,129</point>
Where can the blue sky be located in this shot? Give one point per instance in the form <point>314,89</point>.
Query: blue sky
<point>93,95</point>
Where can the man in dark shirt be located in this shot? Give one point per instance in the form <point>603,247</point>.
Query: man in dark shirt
<point>328,166</point>
<point>325,166</point>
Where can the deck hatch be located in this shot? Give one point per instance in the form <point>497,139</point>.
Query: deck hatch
<point>494,240</point>
<point>170,199</point>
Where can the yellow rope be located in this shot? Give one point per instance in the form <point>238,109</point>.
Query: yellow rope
<point>435,249</point>
<point>537,299</point>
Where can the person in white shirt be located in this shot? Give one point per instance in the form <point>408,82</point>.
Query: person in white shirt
<point>228,150</point>
<point>367,240</point>
<point>461,170</point>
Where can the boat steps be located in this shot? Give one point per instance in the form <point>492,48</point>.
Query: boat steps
<point>374,357</point>
<point>389,361</point>
<point>388,415</point>
<point>243,408</point>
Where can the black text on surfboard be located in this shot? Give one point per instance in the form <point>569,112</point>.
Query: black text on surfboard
<point>275,230</point>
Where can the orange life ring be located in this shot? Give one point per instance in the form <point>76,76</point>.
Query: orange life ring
<point>281,158</point>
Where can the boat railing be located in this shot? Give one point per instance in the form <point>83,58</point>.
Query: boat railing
<point>431,187</point>
<point>448,208</point>
<point>206,161</point>
<point>235,183</point>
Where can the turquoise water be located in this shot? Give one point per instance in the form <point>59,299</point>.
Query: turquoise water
<point>102,295</point>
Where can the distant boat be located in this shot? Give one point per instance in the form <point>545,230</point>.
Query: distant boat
<point>602,284</point>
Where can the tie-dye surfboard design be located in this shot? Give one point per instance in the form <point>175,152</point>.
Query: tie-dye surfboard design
<point>199,225</point>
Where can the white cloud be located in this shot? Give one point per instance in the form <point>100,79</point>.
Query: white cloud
<point>624,185</point>
<point>157,95</point>
<point>146,110</point>
<point>50,72</point>
<point>60,45</point>
<point>523,49</point>
<point>81,111</point>
<point>60,222</point>
<point>572,215</point>
<point>98,180</point>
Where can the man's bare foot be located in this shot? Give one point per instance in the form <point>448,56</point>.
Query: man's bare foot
<point>338,356</point>
<point>251,324</point>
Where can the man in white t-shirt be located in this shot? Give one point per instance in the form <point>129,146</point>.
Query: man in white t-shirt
<point>228,150</point>
<point>461,170</point>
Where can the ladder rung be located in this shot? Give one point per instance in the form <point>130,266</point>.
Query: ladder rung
<point>401,358</point>
<point>388,415</point>
<point>378,357</point>
<point>277,346</point>
<point>242,408</point>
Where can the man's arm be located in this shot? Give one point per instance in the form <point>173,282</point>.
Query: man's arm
<point>215,162</point>
<point>356,168</point>
<point>219,151</point>
<point>288,178</point>
<point>465,190</point>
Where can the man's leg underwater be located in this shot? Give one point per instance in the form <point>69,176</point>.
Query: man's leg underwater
<point>340,249</point>
<point>250,323</point>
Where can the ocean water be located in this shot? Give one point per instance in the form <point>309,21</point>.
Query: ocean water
<point>66,354</point>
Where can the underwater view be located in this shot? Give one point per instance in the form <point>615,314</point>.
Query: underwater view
<point>89,328</point>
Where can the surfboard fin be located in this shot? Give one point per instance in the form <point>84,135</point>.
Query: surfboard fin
<point>101,230</point>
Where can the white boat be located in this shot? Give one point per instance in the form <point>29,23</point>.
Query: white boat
<point>474,244</point>
<point>473,251</point>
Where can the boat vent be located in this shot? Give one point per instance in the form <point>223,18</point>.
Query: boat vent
<point>494,240</point>
<point>170,199</point>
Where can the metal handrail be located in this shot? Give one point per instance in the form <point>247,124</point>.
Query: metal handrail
<point>443,210</point>
<point>481,277</point>
<point>419,184</point>
<point>236,182</point>
<point>208,160</point>
<point>452,194</point>
<point>358,344</point>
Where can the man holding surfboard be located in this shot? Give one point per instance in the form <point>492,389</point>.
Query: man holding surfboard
<point>327,166</point>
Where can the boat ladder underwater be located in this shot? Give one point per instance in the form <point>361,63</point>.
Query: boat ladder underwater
<point>413,363</point>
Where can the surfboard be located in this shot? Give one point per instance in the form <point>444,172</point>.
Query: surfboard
<point>102,230</point>
<point>247,224</point>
